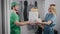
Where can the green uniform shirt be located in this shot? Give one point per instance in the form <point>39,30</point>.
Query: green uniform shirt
<point>13,27</point>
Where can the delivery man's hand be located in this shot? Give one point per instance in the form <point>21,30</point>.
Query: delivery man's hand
<point>30,23</point>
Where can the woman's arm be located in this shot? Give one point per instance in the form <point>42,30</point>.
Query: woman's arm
<point>43,22</point>
<point>52,20</point>
<point>46,23</point>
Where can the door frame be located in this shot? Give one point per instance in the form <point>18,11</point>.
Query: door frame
<point>5,5</point>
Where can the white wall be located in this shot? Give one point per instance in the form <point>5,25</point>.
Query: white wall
<point>41,6</point>
<point>58,16</point>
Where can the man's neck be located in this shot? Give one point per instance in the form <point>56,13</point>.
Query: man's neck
<point>14,11</point>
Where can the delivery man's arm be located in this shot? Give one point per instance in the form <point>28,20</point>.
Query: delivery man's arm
<point>21,23</point>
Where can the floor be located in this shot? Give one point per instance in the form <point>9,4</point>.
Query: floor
<point>24,30</point>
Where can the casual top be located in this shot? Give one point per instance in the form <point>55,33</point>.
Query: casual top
<point>50,16</point>
<point>13,27</point>
<point>48,29</point>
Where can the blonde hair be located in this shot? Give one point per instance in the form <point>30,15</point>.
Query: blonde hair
<point>53,7</point>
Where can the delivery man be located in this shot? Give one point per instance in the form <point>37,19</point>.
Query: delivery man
<point>14,20</point>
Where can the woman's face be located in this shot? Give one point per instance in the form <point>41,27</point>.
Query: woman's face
<point>51,9</point>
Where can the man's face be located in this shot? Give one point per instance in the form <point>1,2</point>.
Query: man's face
<point>16,8</point>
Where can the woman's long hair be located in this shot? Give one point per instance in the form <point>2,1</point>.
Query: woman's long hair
<point>53,8</point>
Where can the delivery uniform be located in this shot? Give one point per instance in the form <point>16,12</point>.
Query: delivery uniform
<point>14,29</point>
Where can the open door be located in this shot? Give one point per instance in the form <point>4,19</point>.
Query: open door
<point>0,19</point>
<point>5,12</point>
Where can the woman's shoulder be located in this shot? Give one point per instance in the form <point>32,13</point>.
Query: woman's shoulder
<point>47,13</point>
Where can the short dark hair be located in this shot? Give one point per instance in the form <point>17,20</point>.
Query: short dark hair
<point>12,7</point>
<point>52,5</point>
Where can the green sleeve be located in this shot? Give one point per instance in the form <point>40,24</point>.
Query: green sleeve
<point>13,18</point>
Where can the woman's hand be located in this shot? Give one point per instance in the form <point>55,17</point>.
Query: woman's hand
<point>30,23</point>
<point>42,26</point>
<point>39,21</point>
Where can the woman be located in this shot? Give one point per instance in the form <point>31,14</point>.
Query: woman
<point>14,20</point>
<point>48,23</point>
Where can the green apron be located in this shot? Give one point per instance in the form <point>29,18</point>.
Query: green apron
<point>14,29</point>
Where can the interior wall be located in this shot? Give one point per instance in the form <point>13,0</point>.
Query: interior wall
<point>58,16</point>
